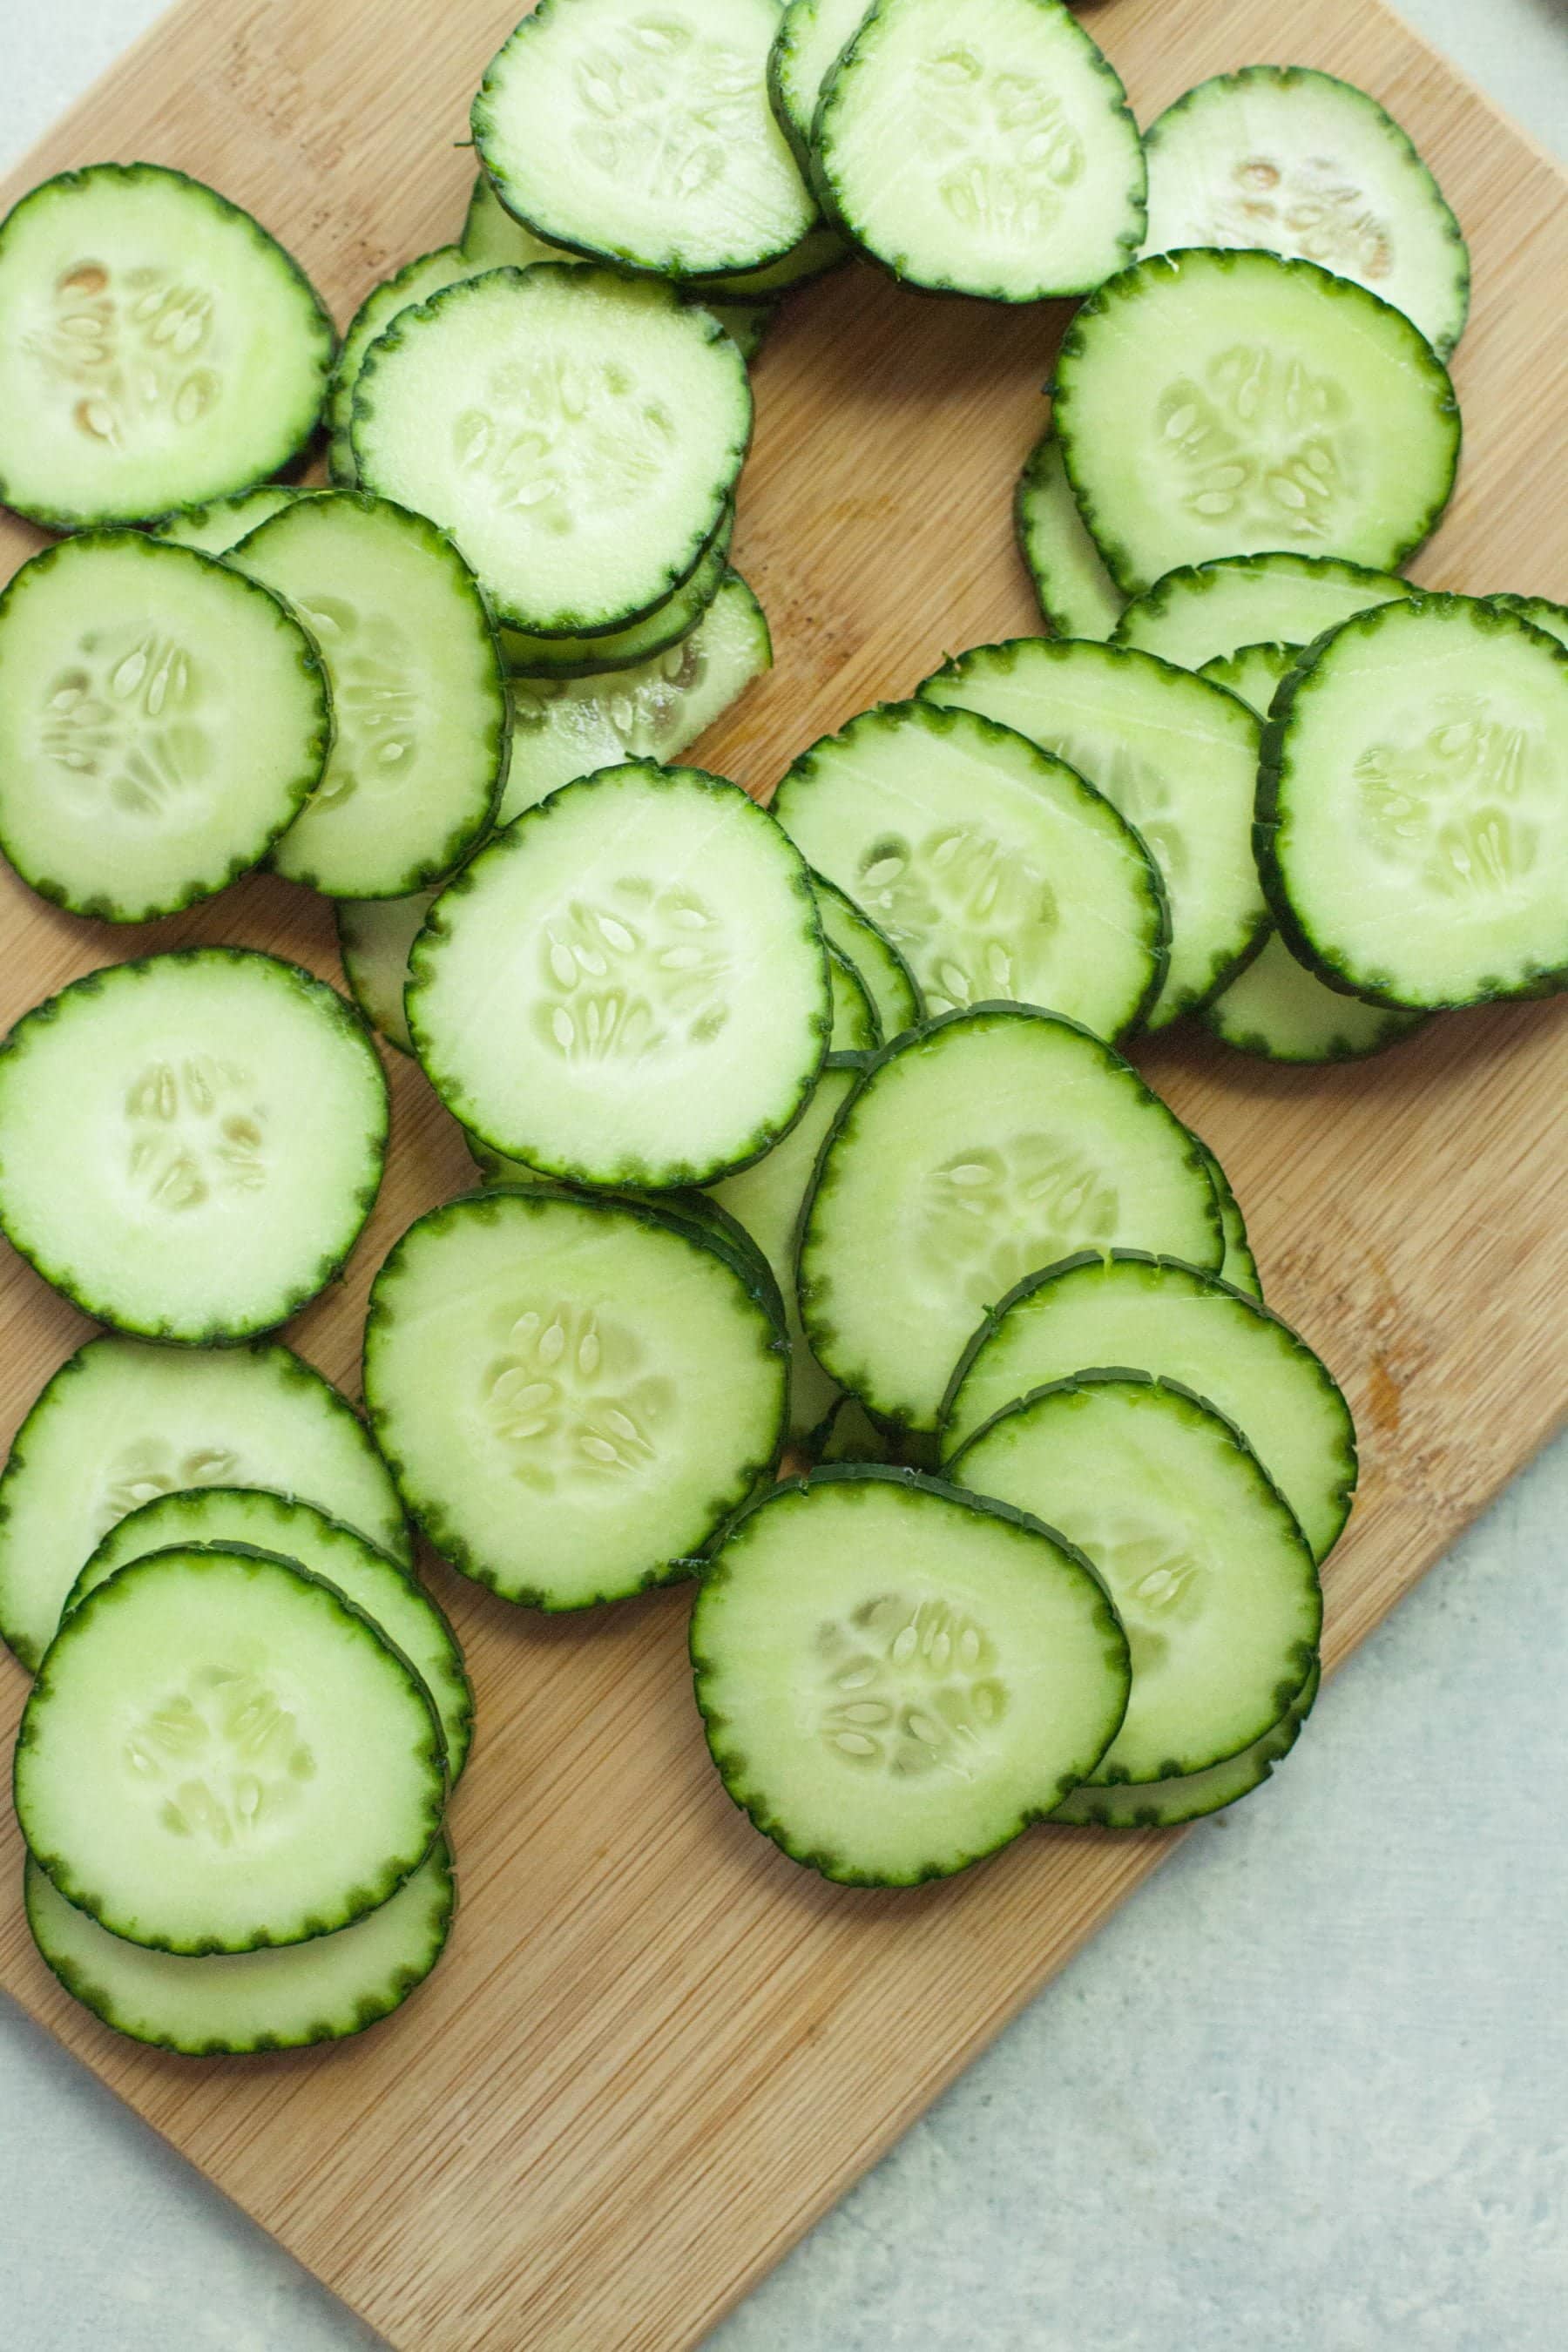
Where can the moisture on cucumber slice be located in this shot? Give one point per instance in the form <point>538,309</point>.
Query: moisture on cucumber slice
<point>1538,611</point>
<point>1215,404</point>
<point>256,1519</point>
<point>157,348</point>
<point>983,1147</point>
<point>493,238</point>
<point>576,433</point>
<point>222,1752</point>
<point>1413,805</point>
<point>856,1028</point>
<point>1164,1805</point>
<point>1158,1316</point>
<point>1203,612</point>
<point>992,153</point>
<point>1238,1267</point>
<point>628,985</point>
<point>767,1199</point>
<point>190,1144</point>
<point>565,729</point>
<point>886,978</point>
<point>992,866</point>
<point>374,940</point>
<point>221,523</point>
<point>1076,594</point>
<point>813,34</point>
<point>574,1392</point>
<point>669,625</point>
<point>122,1423</point>
<point>417,691</point>
<point>161,720</point>
<point>1211,1576</point>
<point>1280,1012</point>
<point>819,250</point>
<point>1175,755</point>
<point>231,2003</point>
<point>426,275</point>
<point>1253,673</point>
<point>895,1679</point>
<point>1298,161</point>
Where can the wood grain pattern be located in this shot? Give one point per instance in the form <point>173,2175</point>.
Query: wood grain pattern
<point>656,2050</point>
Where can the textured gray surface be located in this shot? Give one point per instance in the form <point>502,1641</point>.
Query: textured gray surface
<point>1307,2091</point>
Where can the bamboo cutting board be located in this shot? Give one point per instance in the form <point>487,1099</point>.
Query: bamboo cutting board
<point>655,2050</point>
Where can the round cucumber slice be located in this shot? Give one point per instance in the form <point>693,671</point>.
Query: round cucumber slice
<point>856,1028</point>
<point>1175,755</point>
<point>1238,1267</point>
<point>1253,674</point>
<point>375,937</point>
<point>1303,163</point>
<point>222,1752</point>
<point>1210,1573</point>
<point>250,1517</point>
<point>1280,1012</point>
<point>157,348</point>
<point>896,1679</point>
<point>1164,1805</point>
<point>230,2003</point>
<point>994,155</point>
<point>190,1144</point>
<point>645,139</point>
<point>886,978</point>
<point>418,690</point>
<point>982,1147</point>
<point>425,275</point>
<point>121,1425</point>
<point>493,238</point>
<point>162,721</point>
<point>819,250</point>
<point>1203,613</point>
<point>669,625</point>
<point>628,985</point>
<point>1163,1318</point>
<point>1413,805</point>
<point>1076,594</point>
<point>1214,404</point>
<point>574,1393</point>
<point>577,434</point>
<point>214,529</point>
<point>992,865</point>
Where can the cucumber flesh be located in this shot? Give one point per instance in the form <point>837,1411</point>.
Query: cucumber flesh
<point>1179,760</point>
<point>157,348</point>
<point>819,250</point>
<point>813,34</point>
<point>230,2003</point>
<point>887,977</point>
<point>252,1517</point>
<point>1076,594</point>
<point>1207,612</point>
<point>1164,1805</point>
<point>190,1145</point>
<point>1303,163</point>
<point>1215,403</point>
<point>1238,1267</point>
<point>895,1679</point>
<point>493,238</point>
<point>669,625</point>
<point>746,323</point>
<point>425,275</point>
<point>1209,1571</point>
<point>162,721</point>
<point>856,1028</point>
<point>375,937</point>
<point>214,529</point>
<point>980,1147</point>
<point>1253,674</point>
<point>1538,612</point>
<point>1280,1012</point>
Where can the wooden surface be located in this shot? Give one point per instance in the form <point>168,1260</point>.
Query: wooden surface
<point>655,2050</point>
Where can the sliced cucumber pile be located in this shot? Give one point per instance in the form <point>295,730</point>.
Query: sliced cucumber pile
<point>623,649</point>
<point>221,524</point>
<point>426,275</point>
<point>1280,1012</point>
<point>1202,613</point>
<point>881,969</point>
<point>1188,1797</point>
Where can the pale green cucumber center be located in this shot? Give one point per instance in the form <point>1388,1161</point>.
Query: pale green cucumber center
<point>905,1685</point>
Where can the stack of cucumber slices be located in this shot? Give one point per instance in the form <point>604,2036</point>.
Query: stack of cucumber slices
<point>805,1139</point>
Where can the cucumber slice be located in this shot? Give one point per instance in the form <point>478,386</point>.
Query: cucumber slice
<point>856,1028</point>
<point>252,1518</point>
<point>849,1434</point>
<point>214,529</point>
<point>1176,756</point>
<point>669,624</point>
<point>493,238</point>
<point>1163,1804</point>
<point>655,710</point>
<point>190,1144</point>
<point>992,866</point>
<point>996,156</point>
<point>987,1144</point>
<point>1209,1571</point>
<point>1158,1316</point>
<point>1203,612</point>
<point>375,937</point>
<point>886,978</point>
<point>574,1393</point>
<point>1303,163</point>
<point>768,1200</point>
<point>157,348</point>
<point>577,434</point>
<point>425,275</point>
<point>1076,594</point>
<point>1280,1012</point>
<point>122,1423</point>
<point>646,140</point>
<point>628,986</point>
<point>895,1679</point>
<point>230,2003</point>
<point>160,722</point>
<point>1413,805</point>
<point>1238,1267</point>
<point>1253,674</point>
<point>746,323</point>
<point>819,250</point>
<point>1215,403</point>
<point>417,689</point>
<point>1538,612</point>
<point>221,1752</point>
<point>813,34</point>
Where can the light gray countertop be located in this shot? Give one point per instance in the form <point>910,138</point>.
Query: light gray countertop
<point>1309,2090</point>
